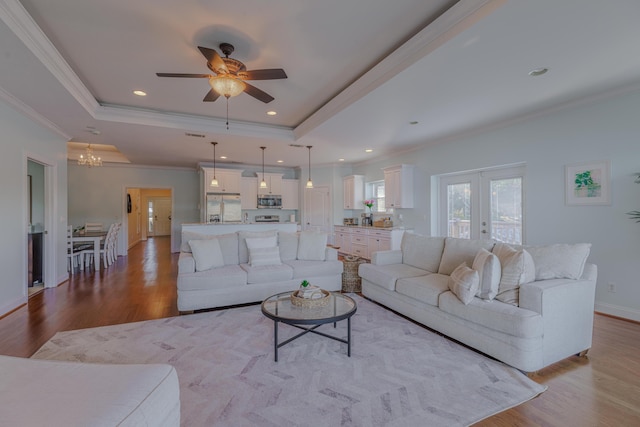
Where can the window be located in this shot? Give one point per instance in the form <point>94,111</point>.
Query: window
<point>375,190</point>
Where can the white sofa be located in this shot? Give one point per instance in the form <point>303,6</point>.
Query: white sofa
<point>222,270</point>
<point>530,306</point>
<point>56,393</point>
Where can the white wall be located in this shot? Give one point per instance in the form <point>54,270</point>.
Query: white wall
<point>22,138</point>
<point>607,129</point>
<point>99,195</point>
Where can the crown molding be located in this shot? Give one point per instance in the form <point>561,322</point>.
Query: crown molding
<point>452,22</point>
<point>120,114</point>
<point>31,113</point>
<point>25,28</point>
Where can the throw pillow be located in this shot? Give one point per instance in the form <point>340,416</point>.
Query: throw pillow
<point>261,242</point>
<point>458,250</point>
<point>288,243</point>
<point>488,267</point>
<point>312,246</point>
<point>512,262</point>
<point>206,254</point>
<point>264,256</point>
<point>243,251</point>
<point>464,283</point>
<point>560,261</point>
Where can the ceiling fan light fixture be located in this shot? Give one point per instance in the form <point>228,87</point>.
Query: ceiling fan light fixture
<point>227,85</point>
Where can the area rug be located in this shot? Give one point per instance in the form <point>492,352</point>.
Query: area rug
<point>399,373</point>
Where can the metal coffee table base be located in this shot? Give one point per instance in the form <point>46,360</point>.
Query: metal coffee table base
<point>276,346</point>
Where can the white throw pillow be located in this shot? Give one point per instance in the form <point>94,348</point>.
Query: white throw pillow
<point>243,250</point>
<point>560,261</point>
<point>312,246</point>
<point>512,262</point>
<point>206,254</point>
<point>488,267</point>
<point>288,244</point>
<point>264,256</point>
<point>464,283</point>
<point>261,242</point>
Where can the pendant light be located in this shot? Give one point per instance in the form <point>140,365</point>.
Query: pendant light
<point>214,181</point>
<point>263,183</point>
<point>309,183</point>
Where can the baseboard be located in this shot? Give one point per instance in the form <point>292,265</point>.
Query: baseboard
<point>12,305</point>
<point>617,311</point>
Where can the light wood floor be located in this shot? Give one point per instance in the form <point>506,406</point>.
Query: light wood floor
<point>601,390</point>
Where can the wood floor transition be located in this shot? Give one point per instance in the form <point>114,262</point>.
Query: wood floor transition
<point>600,390</point>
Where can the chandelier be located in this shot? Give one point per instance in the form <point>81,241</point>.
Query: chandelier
<point>89,159</point>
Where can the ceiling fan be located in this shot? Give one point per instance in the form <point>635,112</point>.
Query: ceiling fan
<point>231,75</point>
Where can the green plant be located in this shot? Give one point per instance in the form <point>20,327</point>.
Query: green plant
<point>304,284</point>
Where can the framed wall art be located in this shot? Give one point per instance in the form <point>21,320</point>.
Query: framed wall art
<point>588,183</point>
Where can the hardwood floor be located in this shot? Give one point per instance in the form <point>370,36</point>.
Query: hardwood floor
<point>601,390</point>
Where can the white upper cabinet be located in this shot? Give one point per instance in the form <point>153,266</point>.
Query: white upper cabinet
<point>274,183</point>
<point>290,188</point>
<point>398,186</point>
<point>353,191</point>
<point>229,180</point>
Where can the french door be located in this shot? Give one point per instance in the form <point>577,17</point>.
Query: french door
<point>483,205</point>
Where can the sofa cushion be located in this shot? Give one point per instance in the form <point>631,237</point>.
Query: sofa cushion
<point>422,251</point>
<point>387,275</point>
<point>288,244</point>
<point>243,250</point>
<point>305,269</point>
<point>264,256</point>
<point>456,251</point>
<point>488,267</point>
<point>312,246</point>
<point>267,273</point>
<point>206,253</point>
<point>464,283</point>
<point>219,278</point>
<point>513,275</point>
<point>559,261</point>
<point>495,315</point>
<point>426,289</point>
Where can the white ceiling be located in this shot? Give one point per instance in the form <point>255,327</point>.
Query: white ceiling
<point>359,71</point>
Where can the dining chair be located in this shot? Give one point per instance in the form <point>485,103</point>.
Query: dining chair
<point>73,255</point>
<point>92,226</point>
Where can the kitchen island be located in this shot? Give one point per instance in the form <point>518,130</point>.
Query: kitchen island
<point>217,229</point>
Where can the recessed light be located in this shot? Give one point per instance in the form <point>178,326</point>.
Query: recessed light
<point>538,72</point>
<point>223,157</point>
<point>369,150</point>
<point>280,161</point>
<point>341,160</point>
<point>271,113</point>
<point>140,93</point>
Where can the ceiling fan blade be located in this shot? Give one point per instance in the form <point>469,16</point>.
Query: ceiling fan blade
<point>268,74</point>
<point>211,96</point>
<point>258,94</point>
<point>198,76</point>
<point>214,61</point>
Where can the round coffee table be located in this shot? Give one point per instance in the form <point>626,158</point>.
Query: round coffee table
<point>280,309</point>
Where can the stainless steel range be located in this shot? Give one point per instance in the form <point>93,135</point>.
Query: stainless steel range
<point>267,218</point>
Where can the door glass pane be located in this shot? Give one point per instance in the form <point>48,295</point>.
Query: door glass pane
<point>150,213</point>
<point>459,210</point>
<point>506,210</point>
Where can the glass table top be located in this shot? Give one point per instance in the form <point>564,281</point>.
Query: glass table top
<point>279,307</point>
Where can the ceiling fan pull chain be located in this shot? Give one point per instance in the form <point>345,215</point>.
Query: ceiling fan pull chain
<point>227,113</point>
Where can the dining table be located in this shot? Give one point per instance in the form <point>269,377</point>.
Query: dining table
<point>95,237</point>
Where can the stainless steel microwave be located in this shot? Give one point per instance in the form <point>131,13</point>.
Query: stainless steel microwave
<point>269,201</point>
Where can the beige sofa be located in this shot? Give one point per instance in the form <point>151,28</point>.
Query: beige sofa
<point>528,307</point>
<point>245,267</point>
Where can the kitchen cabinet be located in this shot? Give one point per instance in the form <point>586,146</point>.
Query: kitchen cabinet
<point>378,240</point>
<point>353,186</point>
<point>290,189</point>
<point>274,183</point>
<point>398,186</point>
<point>249,193</point>
<point>229,180</point>
<point>360,242</point>
<point>342,239</point>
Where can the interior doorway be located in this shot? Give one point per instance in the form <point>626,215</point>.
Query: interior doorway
<point>148,213</point>
<point>36,228</point>
<point>317,209</point>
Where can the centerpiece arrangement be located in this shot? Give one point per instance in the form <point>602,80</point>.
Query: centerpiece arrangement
<point>309,295</point>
